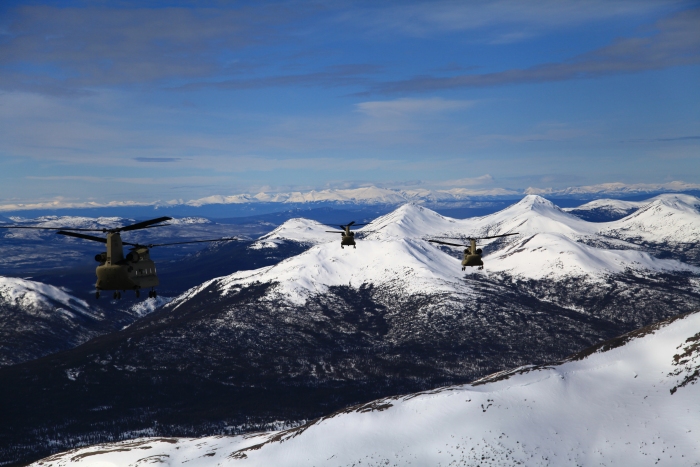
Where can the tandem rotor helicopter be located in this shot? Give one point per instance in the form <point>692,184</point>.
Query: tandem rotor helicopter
<point>472,254</point>
<point>348,238</point>
<point>118,272</point>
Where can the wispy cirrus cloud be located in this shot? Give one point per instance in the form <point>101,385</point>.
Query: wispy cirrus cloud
<point>675,41</point>
<point>409,106</point>
<point>351,74</point>
<point>665,140</point>
<point>468,181</point>
<point>158,159</point>
<point>61,48</point>
<point>433,17</point>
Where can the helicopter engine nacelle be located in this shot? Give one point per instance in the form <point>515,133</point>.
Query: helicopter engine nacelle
<point>133,257</point>
<point>101,257</point>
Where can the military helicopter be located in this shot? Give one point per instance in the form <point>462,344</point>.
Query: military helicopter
<point>348,235</point>
<point>119,272</point>
<point>472,254</point>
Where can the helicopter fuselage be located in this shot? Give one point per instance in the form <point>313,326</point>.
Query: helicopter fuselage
<point>116,272</point>
<point>472,256</point>
<point>348,240</point>
<point>130,276</point>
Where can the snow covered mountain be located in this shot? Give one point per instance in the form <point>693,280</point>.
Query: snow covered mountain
<point>605,210</point>
<point>331,327</point>
<point>38,319</point>
<point>364,195</point>
<point>555,256</point>
<point>631,401</point>
<point>670,218</point>
<point>551,243</point>
<point>301,231</point>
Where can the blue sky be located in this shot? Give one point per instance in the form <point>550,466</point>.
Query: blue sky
<point>103,101</point>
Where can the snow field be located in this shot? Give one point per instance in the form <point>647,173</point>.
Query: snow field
<point>612,407</point>
<point>32,295</point>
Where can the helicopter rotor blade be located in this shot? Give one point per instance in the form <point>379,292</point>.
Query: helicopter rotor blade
<point>48,228</point>
<point>142,225</point>
<point>496,236</point>
<point>83,236</point>
<point>447,243</point>
<point>335,231</point>
<point>353,223</point>
<point>230,239</point>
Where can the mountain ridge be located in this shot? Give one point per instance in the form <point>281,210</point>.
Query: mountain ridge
<point>532,415</point>
<point>331,327</point>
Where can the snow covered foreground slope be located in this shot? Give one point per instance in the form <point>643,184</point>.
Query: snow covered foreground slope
<point>631,401</point>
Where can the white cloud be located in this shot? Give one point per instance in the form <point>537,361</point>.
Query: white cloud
<point>426,18</point>
<point>411,107</point>
<point>482,180</point>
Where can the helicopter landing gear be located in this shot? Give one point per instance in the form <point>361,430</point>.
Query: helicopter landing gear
<point>354,246</point>
<point>341,246</point>
<point>97,294</point>
<point>152,294</point>
<point>138,293</point>
<point>464,268</point>
<point>117,295</point>
<point>480,268</point>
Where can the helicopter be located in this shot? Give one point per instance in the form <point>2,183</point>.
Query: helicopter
<point>116,271</point>
<point>472,254</point>
<point>348,235</point>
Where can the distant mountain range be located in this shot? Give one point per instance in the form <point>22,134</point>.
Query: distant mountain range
<point>246,203</point>
<point>630,401</point>
<point>319,328</point>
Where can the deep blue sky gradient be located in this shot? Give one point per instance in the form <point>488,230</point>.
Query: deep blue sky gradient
<point>142,101</point>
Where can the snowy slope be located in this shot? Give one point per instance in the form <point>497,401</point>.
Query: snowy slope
<point>394,251</point>
<point>297,230</point>
<point>629,402</point>
<point>551,256</point>
<point>670,218</point>
<point>532,215</point>
<point>37,296</point>
<point>606,210</point>
<point>415,222</point>
<point>411,265</point>
<point>613,205</point>
<point>37,318</point>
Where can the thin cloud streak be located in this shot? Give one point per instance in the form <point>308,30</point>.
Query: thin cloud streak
<point>663,140</point>
<point>408,106</point>
<point>68,48</point>
<point>675,43</point>
<point>421,19</point>
<point>332,76</point>
<point>157,159</point>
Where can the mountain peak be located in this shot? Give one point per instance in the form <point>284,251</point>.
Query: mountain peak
<point>678,201</point>
<point>536,202</point>
<point>299,230</point>
<point>410,220</point>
